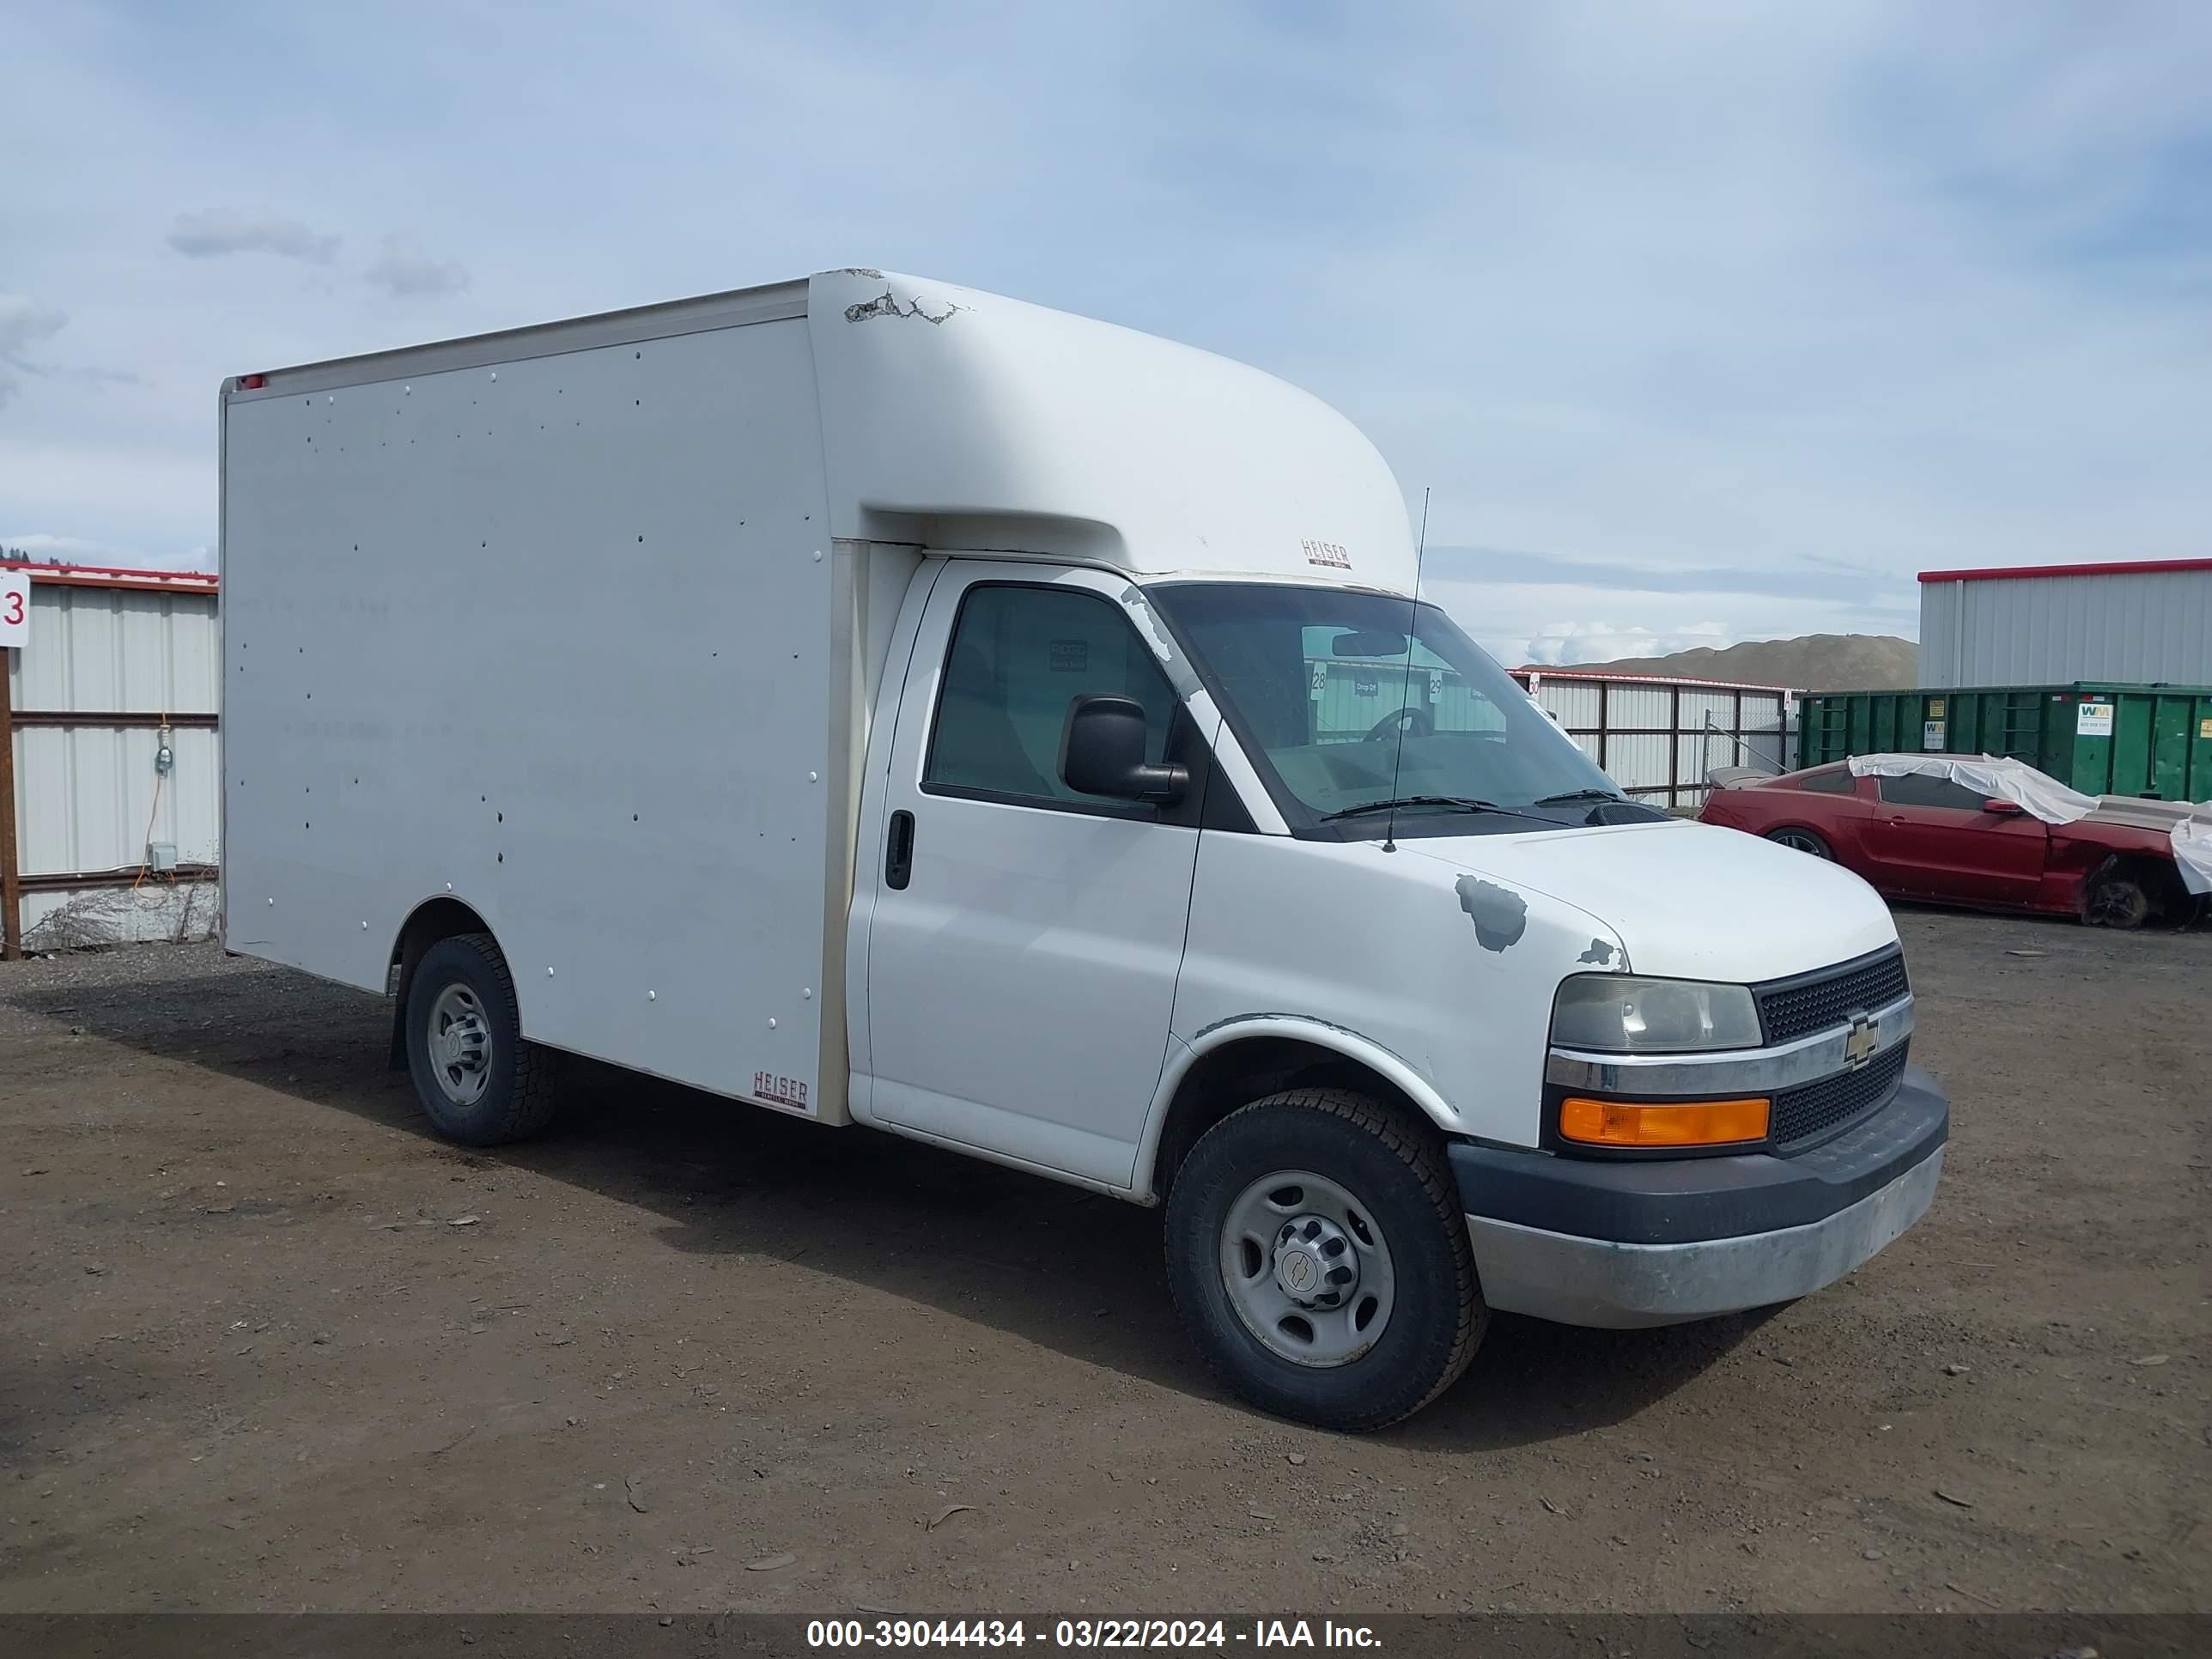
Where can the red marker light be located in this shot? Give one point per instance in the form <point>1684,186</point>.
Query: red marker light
<point>253,382</point>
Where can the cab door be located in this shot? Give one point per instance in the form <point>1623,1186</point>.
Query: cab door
<point>1024,939</point>
<point>1931,837</point>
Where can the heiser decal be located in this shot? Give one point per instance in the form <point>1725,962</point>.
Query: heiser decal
<point>782,1090</point>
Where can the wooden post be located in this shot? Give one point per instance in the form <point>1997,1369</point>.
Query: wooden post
<point>11,887</point>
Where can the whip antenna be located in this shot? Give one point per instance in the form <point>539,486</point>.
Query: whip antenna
<point>1405,688</point>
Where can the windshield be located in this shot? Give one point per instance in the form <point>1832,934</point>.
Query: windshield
<point>1319,684</point>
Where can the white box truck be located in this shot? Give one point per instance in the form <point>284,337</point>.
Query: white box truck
<point>900,706</point>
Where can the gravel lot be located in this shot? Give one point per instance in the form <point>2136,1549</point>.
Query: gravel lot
<point>266,1345</point>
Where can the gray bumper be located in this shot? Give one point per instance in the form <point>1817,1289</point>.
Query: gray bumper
<point>1594,1281</point>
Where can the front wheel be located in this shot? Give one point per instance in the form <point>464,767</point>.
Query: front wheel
<point>1319,1257</point>
<point>2118,899</point>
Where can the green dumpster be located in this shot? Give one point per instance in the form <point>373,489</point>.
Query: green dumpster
<point>2100,738</point>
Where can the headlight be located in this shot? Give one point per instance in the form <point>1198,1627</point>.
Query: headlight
<point>1621,1014</point>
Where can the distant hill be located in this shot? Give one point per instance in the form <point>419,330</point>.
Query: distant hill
<point>1817,662</point>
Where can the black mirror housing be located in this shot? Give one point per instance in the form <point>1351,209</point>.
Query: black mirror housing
<point>1102,752</point>
<point>1370,644</point>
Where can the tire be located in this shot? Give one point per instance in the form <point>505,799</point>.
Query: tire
<point>480,1084</point>
<point>1802,841</point>
<point>1354,1167</point>
<point>2118,899</point>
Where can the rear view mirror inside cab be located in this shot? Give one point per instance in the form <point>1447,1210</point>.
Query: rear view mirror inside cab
<point>1368,645</point>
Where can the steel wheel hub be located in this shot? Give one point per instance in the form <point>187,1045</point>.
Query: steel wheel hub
<point>1315,1264</point>
<point>460,1045</point>
<point>1307,1268</point>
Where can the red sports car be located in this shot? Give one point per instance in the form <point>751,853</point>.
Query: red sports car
<point>1989,839</point>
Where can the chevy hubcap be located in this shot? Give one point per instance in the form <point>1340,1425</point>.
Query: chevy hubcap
<point>1306,1269</point>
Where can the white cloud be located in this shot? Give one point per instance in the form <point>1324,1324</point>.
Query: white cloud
<point>23,323</point>
<point>1716,286</point>
<point>1561,642</point>
<point>46,485</point>
<point>219,231</point>
<point>67,549</point>
<point>403,270</point>
<point>46,547</point>
<point>1523,622</point>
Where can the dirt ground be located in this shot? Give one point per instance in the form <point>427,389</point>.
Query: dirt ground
<point>265,1344</point>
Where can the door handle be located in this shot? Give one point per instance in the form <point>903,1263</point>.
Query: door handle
<point>898,852</point>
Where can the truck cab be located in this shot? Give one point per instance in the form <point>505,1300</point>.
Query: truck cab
<point>1095,792</point>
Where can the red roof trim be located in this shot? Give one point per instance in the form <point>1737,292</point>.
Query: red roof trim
<point>2109,568</point>
<point>117,576</point>
<point>1527,669</point>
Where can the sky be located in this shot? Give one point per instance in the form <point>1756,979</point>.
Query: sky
<point>1698,322</point>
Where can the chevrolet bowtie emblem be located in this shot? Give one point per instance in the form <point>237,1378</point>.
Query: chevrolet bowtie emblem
<point>1865,1038</point>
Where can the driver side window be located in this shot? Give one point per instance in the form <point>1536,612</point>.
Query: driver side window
<point>1919,789</point>
<point>1020,657</point>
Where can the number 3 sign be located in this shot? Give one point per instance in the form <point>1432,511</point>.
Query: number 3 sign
<point>14,607</point>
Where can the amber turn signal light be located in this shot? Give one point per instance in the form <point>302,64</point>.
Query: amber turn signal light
<point>1672,1123</point>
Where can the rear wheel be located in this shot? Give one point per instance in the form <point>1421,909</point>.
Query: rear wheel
<point>1319,1257</point>
<point>479,1082</point>
<point>1802,841</point>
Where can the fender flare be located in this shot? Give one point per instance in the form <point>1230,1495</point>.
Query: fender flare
<point>1305,1028</point>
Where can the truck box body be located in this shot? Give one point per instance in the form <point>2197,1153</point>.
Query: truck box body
<point>553,633</point>
<point>582,624</point>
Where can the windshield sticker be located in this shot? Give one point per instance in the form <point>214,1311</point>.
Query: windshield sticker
<point>1071,656</point>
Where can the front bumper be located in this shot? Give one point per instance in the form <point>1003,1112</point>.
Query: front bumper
<point>1655,1242</point>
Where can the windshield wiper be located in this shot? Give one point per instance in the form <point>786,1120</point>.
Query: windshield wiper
<point>1572,795</point>
<point>1466,803</point>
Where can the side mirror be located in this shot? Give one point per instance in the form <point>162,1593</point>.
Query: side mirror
<point>2002,808</point>
<point>1103,753</point>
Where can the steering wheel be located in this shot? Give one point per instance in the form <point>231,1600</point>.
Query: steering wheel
<point>1413,717</point>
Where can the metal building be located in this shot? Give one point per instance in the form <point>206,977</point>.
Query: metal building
<point>2137,624</point>
<point>107,745</point>
<point>1658,736</point>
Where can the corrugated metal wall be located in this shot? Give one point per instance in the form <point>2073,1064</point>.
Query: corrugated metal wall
<point>1657,738</point>
<point>2130,627</point>
<point>1350,698</point>
<point>89,796</point>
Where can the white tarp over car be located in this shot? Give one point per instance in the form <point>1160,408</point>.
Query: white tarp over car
<point>1999,778</point>
<point>2192,850</point>
<point>1993,777</point>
